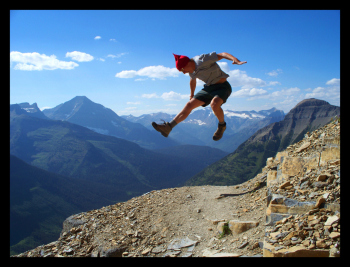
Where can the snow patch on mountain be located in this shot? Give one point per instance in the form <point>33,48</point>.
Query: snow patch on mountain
<point>115,124</point>
<point>27,109</point>
<point>258,116</point>
<point>243,115</point>
<point>234,114</point>
<point>98,130</point>
<point>194,121</point>
<point>68,115</point>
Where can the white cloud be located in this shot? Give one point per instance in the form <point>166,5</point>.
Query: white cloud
<point>291,91</point>
<point>246,92</point>
<point>326,93</point>
<point>133,103</point>
<point>155,72</point>
<point>131,108</point>
<point>317,92</point>
<point>79,56</point>
<point>117,55</point>
<point>41,109</point>
<point>102,59</point>
<point>274,72</point>
<point>154,95</point>
<point>274,83</point>
<point>224,66</point>
<point>113,40</point>
<point>97,37</point>
<point>126,74</point>
<point>121,54</point>
<point>172,96</point>
<point>240,78</point>
<point>334,81</point>
<point>260,93</point>
<point>283,93</point>
<point>36,61</point>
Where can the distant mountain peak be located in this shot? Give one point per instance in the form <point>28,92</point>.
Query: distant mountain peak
<point>80,99</point>
<point>311,102</point>
<point>29,108</point>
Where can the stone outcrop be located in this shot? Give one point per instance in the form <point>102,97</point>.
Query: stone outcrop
<point>290,209</point>
<point>303,203</point>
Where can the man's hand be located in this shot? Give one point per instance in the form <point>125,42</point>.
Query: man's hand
<point>238,62</point>
<point>230,57</point>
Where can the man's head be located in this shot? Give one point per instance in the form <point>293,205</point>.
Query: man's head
<point>182,63</point>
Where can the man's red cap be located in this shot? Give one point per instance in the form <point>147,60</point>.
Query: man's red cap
<point>181,61</point>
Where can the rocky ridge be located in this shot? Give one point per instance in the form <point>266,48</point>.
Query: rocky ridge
<point>303,213</point>
<point>295,214</point>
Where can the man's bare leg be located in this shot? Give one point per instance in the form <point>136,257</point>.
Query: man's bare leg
<point>216,107</point>
<point>191,105</point>
<point>166,128</point>
<point>219,113</point>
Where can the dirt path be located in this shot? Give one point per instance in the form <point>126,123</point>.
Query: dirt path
<point>149,224</point>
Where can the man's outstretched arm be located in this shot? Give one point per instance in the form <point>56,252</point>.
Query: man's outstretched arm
<point>193,83</point>
<point>230,57</point>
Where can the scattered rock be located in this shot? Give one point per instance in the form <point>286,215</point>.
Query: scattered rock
<point>181,243</point>
<point>243,244</point>
<point>225,255</point>
<point>238,227</point>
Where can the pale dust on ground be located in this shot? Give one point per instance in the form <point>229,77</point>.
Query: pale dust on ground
<point>169,214</point>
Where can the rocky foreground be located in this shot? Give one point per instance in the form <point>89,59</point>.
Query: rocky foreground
<point>303,214</point>
<point>291,208</point>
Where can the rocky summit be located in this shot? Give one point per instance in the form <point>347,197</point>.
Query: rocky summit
<point>290,209</point>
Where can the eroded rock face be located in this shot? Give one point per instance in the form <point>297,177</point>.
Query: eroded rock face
<point>304,197</point>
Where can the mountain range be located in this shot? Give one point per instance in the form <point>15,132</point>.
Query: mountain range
<point>249,158</point>
<point>111,169</point>
<point>197,129</point>
<point>84,112</point>
<point>120,169</point>
<point>200,125</point>
<point>75,151</point>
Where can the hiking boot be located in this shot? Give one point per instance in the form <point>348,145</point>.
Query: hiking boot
<point>164,128</point>
<point>219,132</point>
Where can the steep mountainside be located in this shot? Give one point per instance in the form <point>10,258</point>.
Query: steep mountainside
<point>75,151</point>
<point>82,111</point>
<point>205,155</point>
<point>247,160</point>
<point>43,200</point>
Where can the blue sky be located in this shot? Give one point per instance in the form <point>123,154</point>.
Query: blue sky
<point>123,59</point>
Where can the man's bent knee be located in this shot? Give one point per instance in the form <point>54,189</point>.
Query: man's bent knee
<point>216,103</point>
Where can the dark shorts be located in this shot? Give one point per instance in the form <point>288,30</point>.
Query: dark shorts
<point>222,90</point>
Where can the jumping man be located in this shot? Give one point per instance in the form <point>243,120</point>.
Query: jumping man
<point>215,92</point>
